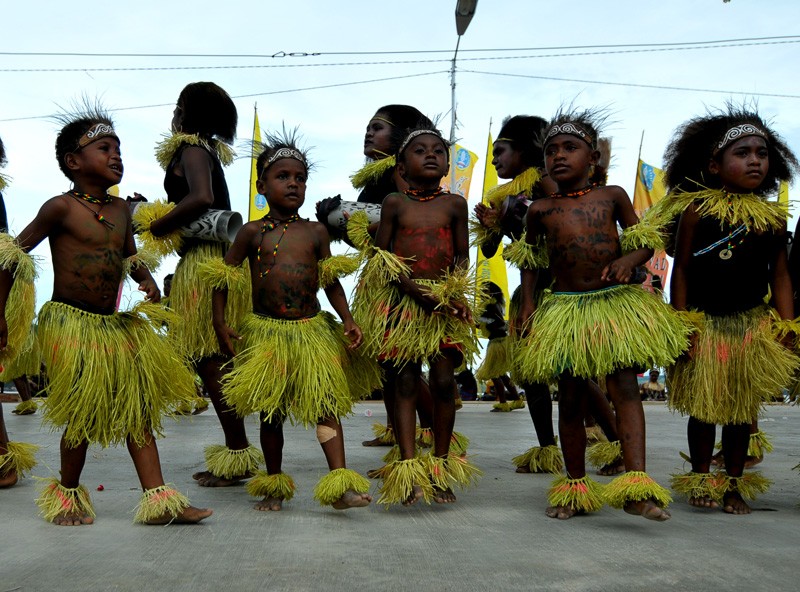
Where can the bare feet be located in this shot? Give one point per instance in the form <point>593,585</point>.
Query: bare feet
<point>8,479</point>
<point>376,442</point>
<point>190,515</point>
<point>732,503</point>
<point>269,504</point>
<point>523,469</point>
<point>562,512</point>
<point>614,468</point>
<point>72,519</point>
<point>444,496</point>
<point>416,495</point>
<point>351,499</point>
<point>718,460</point>
<point>207,479</point>
<point>703,502</point>
<point>647,509</point>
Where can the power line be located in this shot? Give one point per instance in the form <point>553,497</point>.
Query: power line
<point>398,62</point>
<point>259,94</point>
<point>299,54</point>
<point>634,85</point>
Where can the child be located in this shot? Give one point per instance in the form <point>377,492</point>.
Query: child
<point>204,126</point>
<point>593,324</point>
<point>730,254</point>
<point>517,155</point>
<point>15,457</point>
<point>111,376</point>
<point>412,298</point>
<point>294,361</point>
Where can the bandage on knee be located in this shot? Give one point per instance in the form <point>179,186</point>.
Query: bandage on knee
<point>325,433</point>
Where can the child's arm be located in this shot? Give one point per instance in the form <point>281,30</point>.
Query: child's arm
<point>196,164</point>
<point>233,258</point>
<point>335,292</point>
<point>528,274</point>
<point>139,273</point>
<point>780,281</point>
<point>621,270</point>
<point>683,256</point>
<point>47,219</point>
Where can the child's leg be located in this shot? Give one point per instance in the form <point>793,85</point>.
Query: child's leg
<point>624,392</point>
<point>442,385</point>
<point>500,390</point>
<point>271,436</point>
<point>601,411</point>
<point>72,462</point>
<point>331,438</point>
<point>10,477</point>
<point>540,406</point>
<point>148,468</point>
<point>735,440</point>
<point>210,372</point>
<point>389,382</point>
<point>512,391</point>
<point>425,406</point>
<point>405,409</point>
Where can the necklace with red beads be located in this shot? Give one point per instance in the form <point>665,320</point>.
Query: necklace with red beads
<point>577,193</point>
<point>101,201</point>
<point>424,194</point>
<point>268,224</point>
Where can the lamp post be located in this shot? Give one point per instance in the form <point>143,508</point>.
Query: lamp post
<point>465,10</point>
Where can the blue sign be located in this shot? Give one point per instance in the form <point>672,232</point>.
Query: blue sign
<point>462,158</point>
<point>260,201</point>
<point>648,176</point>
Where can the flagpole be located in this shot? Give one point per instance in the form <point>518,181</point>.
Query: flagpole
<point>641,143</point>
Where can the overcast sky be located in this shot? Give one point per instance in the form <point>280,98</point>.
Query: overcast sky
<point>332,119</point>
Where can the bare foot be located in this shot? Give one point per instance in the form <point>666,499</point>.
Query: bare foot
<point>614,468</point>
<point>523,469</point>
<point>703,502</point>
<point>732,503</point>
<point>269,504</point>
<point>198,409</point>
<point>8,479</point>
<point>647,509</point>
<point>416,495</point>
<point>190,515</point>
<point>751,461</point>
<point>72,519</point>
<point>444,496</point>
<point>562,512</point>
<point>351,499</point>
<point>376,442</point>
<point>207,479</point>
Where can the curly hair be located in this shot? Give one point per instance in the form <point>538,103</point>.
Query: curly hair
<point>3,159</point>
<point>208,111</point>
<point>693,146</point>
<point>525,134</point>
<point>74,126</point>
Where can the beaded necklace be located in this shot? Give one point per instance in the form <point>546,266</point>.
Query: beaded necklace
<point>577,193</point>
<point>727,252</point>
<point>268,224</point>
<point>424,194</point>
<point>101,201</point>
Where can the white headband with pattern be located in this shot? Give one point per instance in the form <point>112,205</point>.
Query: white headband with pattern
<point>738,131</point>
<point>97,131</point>
<point>417,133</point>
<point>571,128</point>
<point>287,153</point>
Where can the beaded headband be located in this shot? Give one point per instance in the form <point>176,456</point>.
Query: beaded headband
<point>416,134</point>
<point>571,128</point>
<point>287,153</point>
<point>97,131</point>
<point>739,131</point>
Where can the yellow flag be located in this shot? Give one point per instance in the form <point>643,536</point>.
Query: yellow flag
<point>494,268</point>
<point>258,203</point>
<point>648,191</point>
<point>462,163</point>
<point>783,192</point>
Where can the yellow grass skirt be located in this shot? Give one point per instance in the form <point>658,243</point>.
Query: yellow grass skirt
<point>596,333</point>
<point>497,361</point>
<point>111,377</point>
<point>27,362</point>
<point>21,303</point>
<point>736,366</point>
<point>297,369</point>
<point>191,299</point>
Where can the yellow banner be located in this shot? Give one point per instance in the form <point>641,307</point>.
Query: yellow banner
<point>492,269</point>
<point>648,191</point>
<point>783,192</point>
<point>462,162</point>
<point>258,207</point>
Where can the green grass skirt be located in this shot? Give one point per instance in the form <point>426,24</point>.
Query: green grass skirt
<point>737,365</point>
<point>21,303</point>
<point>497,361</point>
<point>111,377</point>
<point>190,298</point>
<point>298,369</point>
<point>596,333</point>
<point>28,361</point>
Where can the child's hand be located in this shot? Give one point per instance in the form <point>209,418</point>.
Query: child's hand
<point>620,270</point>
<point>136,197</point>
<point>226,336</point>
<point>460,310</point>
<point>519,322</point>
<point>353,333</point>
<point>486,216</point>
<point>150,289</point>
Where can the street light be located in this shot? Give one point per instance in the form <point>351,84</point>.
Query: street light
<point>465,10</point>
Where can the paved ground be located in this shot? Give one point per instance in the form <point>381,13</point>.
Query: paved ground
<point>495,538</point>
